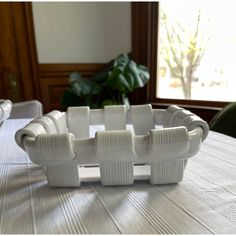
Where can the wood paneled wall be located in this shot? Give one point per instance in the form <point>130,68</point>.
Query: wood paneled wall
<point>54,80</point>
<point>18,55</point>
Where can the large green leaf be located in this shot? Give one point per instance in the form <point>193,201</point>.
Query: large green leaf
<point>121,60</point>
<point>69,98</point>
<point>101,76</point>
<point>83,87</point>
<point>79,86</point>
<point>117,81</point>
<point>126,75</point>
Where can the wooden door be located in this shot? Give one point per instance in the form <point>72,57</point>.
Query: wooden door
<point>18,59</point>
<point>9,68</point>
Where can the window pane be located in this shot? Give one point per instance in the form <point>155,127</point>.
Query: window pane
<point>197,50</point>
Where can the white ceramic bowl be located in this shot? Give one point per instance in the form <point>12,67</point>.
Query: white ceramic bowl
<point>5,110</point>
<point>162,139</point>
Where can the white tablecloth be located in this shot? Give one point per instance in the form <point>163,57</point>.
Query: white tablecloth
<point>204,202</point>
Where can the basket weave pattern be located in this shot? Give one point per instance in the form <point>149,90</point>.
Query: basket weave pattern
<point>162,138</point>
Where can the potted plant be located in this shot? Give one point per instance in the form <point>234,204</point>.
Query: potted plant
<point>110,86</point>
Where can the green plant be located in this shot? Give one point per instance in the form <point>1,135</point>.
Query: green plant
<point>110,86</point>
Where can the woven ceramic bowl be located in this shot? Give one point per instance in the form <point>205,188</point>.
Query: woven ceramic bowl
<point>123,140</point>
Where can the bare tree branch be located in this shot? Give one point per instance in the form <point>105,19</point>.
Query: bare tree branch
<point>182,55</point>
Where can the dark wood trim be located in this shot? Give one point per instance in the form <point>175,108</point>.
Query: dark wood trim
<point>64,69</point>
<point>205,109</point>
<point>206,113</point>
<point>54,80</point>
<point>192,103</point>
<point>144,45</point>
<point>152,48</point>
<point>33,48</point>
<point>26,49</point>
<point>8,56</point>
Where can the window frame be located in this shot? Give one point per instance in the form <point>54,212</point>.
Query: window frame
<point>145,20</point>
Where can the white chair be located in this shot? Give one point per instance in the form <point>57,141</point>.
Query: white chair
<point>26,109</point>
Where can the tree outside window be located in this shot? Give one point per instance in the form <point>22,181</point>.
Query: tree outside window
<point>196,53</point>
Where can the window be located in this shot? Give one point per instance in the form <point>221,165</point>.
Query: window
<point>197,48</point>
<point>145,34</point>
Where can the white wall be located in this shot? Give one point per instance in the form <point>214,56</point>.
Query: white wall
<point>80,32</point>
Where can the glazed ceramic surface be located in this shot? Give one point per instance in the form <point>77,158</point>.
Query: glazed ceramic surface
<point>161,139</point>
<point>5,110</point>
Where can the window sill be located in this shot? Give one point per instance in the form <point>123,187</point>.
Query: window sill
<point>205,109</point>
<point>209,105</point>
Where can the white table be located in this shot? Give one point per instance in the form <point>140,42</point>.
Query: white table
<point>204,202</point>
